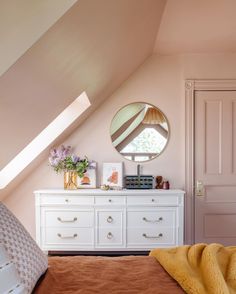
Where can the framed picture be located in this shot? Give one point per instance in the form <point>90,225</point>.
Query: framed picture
<point>112,174</point>
<point>89,179</point>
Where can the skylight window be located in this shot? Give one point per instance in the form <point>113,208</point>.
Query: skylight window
<point>44,139</point>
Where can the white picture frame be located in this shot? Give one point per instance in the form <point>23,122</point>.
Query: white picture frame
<point>89,180</point>
<point>112,174</point>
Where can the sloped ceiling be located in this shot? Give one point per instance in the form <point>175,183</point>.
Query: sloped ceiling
<point>23,22</point>
<point>94,47</point>
<point>197,26</point>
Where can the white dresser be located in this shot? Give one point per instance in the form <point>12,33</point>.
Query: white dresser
<point>96,220</point>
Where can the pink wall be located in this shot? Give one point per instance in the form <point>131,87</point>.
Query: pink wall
<point>197,27</point>
<point>75,55</point>
<point>159,81</point>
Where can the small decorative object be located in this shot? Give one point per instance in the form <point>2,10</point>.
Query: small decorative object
<point>105,187</point>
<point>62,160</point>
<point>88,180</point>
<point>159,182</point>
<point>112,174</point>
<point>166,185</point>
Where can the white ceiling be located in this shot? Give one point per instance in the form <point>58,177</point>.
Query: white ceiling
<point>197,26</point>
<point>23,22</point>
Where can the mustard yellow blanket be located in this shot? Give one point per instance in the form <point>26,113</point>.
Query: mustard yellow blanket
<point>201,268</point>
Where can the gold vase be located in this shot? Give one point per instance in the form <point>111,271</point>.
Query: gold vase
<point>70,180</point>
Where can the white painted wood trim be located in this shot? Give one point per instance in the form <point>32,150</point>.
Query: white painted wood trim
<point>213,85</point>
<point>97,192</point>
<point>191,86</point>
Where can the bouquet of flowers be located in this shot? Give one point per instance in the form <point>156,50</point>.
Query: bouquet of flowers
<point>63,160</point>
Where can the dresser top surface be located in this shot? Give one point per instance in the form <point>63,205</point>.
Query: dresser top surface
<point>94,192</point>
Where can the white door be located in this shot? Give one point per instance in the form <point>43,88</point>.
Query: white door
<point>215,167</point>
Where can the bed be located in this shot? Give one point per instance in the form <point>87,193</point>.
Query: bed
<point>198,268</point>
<point>113,275</point>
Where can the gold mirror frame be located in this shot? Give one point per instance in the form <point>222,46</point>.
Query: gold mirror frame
<point>134,119</point>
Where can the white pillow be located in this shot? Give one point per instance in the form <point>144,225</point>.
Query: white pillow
<point>29,260</point>
<point>10,281</point>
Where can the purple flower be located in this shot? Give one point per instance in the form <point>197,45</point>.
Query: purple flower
<point>58,155</point>
<point>74,158</point>
<point>92,164</point>
<point>61,159</point>
<point>65,151</point>
<point>62,152</point>
<point>53,152</point>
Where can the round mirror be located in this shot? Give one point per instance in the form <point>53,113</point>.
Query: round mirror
<point>139,131</point>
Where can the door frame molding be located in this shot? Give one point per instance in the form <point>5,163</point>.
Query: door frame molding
<point>191,86</point>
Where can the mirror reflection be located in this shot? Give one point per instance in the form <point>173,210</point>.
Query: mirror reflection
<point>139,131</point>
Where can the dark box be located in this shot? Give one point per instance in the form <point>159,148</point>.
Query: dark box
<point>138,182</point>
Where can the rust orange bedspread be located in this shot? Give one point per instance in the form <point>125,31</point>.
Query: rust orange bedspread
<point>106,275</point>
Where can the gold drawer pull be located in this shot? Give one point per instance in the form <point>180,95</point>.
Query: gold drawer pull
<point>109,236</point>
<point>67,237</point>
<point>67,221</point>
<point>153,221</point>
<point>152,237</point>
<point>109,219</point>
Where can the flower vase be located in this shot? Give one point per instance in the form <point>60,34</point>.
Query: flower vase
<point>70,180</point>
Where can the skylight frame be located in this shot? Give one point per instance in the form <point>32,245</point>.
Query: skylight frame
<point>44,139</point>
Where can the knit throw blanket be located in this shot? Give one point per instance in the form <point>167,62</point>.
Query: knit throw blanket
<point>201,268</point>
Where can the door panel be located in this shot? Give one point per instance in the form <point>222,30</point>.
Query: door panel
<point>215,166</point>
<point>226,224</point>
<point>214,194</point>
<point>213,136</point>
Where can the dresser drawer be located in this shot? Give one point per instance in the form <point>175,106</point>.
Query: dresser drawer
<point>109,236</point>
<point>67,218</point>
<point>95,220</point>
<point>67,200</point>
<point>109,218</point>
<point>150,236</point>
<point>68,236</point>
<point>153,200</point>
<point>112,200</point>
<point>151,218</point>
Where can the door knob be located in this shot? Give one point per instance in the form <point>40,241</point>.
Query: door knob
<point>199,188</point>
